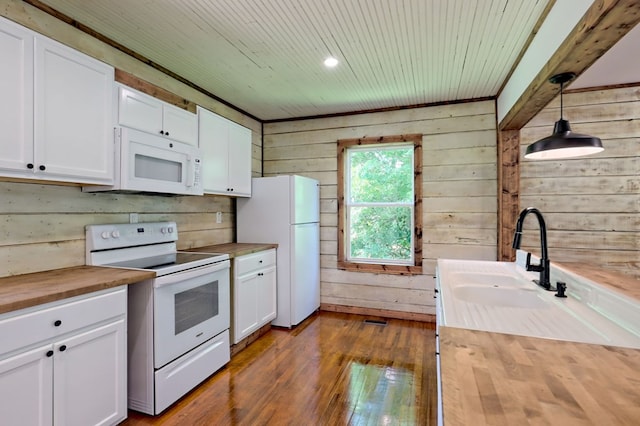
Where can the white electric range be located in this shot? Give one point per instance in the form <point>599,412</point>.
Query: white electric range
<point>178,322</point>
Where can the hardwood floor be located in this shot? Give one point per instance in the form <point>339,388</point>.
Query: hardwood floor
<point>333,369</point>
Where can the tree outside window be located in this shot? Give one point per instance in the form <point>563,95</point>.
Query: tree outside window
<point>380,192</point>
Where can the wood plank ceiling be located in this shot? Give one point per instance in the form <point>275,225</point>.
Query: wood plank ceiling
<point>265,56</point>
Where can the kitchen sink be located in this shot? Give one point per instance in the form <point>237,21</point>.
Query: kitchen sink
<point>495,279</point>
<point>501,297</point>
<point>497,295</point>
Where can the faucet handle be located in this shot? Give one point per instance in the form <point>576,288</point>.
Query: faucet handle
<point>561,288</point>
<point>530,267</point>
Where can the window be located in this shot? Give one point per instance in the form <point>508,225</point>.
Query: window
<point>379,204</point>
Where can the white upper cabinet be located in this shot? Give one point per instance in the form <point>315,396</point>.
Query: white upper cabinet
<point>182,124</point>
<point>16,96</point>
<point>143,112</point>
<point>73,113</point>
<point>239,159</point>
<point>63,129</point>
<point>139,111</point>
<point>226,155</point>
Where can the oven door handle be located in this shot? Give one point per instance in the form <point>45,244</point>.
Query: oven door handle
<point>190,273</point>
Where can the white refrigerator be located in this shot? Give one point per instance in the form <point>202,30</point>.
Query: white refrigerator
<point>286,210</point>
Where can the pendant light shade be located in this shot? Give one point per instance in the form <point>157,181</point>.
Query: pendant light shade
<point>563,143</point>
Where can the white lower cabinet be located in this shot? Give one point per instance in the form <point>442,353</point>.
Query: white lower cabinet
<point>64,363</point>
<point>254,293</point>
<point>26,381</point>
<point>89,384</point>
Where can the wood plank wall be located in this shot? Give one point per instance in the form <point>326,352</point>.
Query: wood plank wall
<point>591,204</point>
<point>459,202</point>
<point>42,226</point>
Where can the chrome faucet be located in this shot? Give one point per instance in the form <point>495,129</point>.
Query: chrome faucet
<point>543,266</point>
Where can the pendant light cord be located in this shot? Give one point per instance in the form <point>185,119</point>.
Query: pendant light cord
<point>561,86</point>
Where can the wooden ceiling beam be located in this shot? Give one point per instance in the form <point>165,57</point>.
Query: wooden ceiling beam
<point>604,23</point>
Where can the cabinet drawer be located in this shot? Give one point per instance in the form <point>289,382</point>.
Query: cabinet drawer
<point>29,326</point>
<point>255,261</point>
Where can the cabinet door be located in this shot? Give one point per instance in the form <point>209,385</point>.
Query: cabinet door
<point>90,377</point>
<point>26,381</point>
<point>245,308</point>
<point>180,125</point>
<point>16,97</point>
<point>139,111</point>
<point>73,115</point>
<point>267,294</point>
<point>213,137</point>
<point>239,160</point>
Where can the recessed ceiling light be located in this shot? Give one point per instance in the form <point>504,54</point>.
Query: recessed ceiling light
<point>330,62</point>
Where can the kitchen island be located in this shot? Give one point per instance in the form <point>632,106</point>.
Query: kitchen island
<point>504,379</point>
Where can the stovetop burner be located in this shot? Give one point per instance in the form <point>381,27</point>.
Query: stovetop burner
<point>148,246</point>
<point>163,261</point>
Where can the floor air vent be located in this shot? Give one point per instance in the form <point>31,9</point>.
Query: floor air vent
<point>375,322</point>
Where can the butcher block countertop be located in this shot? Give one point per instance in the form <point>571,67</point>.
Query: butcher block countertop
<point>235,249</point>
<point>616,281</point>
<point>26,290</point>
<point>502,379</point>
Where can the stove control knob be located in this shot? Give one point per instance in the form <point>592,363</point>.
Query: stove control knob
<point>170,230</point>
<point>105,235</point>
<point>115,234</point>
<point>163,230</point>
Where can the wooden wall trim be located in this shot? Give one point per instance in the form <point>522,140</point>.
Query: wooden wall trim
<point>606,22</point>
<point>381,313</point>
<point>378,110</point>
<point>153,90</point>
<point>508,191</point>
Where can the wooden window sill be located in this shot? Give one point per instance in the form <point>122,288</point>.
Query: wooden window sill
<point>380,268</point>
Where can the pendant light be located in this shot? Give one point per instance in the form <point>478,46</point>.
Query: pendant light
<point>563,143</point>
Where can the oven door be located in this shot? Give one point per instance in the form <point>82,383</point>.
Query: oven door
<point>190,307</point>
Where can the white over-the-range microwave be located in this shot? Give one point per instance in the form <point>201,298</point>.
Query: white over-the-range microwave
<point>149,163</point>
